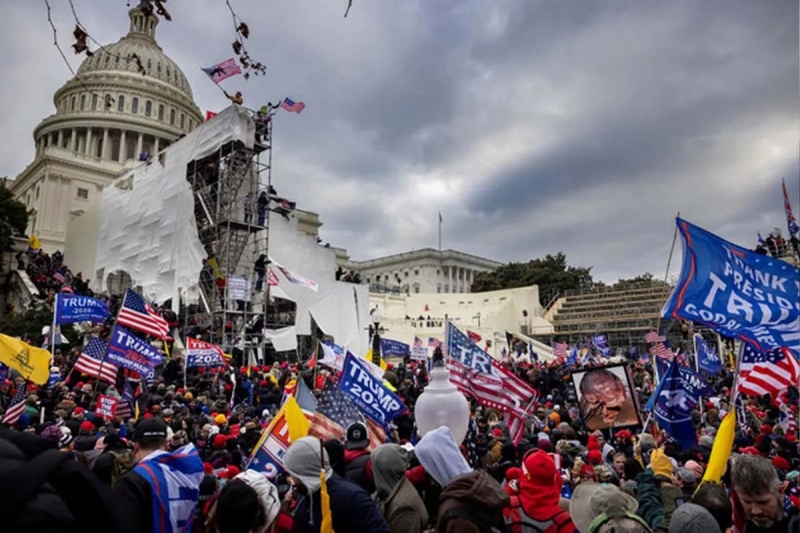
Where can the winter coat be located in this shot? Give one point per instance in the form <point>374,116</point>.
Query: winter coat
<point>396,497</point>
<point>352,510</point>
<point>476,494</point>
<point>649,497</point>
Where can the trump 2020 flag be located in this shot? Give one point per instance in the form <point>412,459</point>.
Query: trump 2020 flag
<point>677,394</point>
<point>129,351</point>
<point>736,292</point>
<point>368,392</point>
<point>71,308</point>
<point>200,353</point>
<point>392,347</point>
<point>707,357</point>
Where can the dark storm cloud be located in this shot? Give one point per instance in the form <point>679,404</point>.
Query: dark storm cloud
<point>534,126</point>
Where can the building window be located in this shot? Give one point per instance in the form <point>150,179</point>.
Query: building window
<point>405,274</point>
<point>416,272</point>
<point>135,105</point>
<point>94,102</point>
<point>158,67</point>
<point>171,117</point>
<point>182,120</point>
<point>149,64</point>
<point>83,102</point>
<point>438,287</point>
<point>130,149</point>
<point>37,192</point>
<point>167,72</point>
<point>437,271</point>
<point>121,103</point>
<point>148,108</point>
<point>161,112</point>
<point>83,194</point>
<point>115,144</point>
<point>72,106</point>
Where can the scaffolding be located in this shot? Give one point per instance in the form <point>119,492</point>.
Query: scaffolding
<point>232,190</point>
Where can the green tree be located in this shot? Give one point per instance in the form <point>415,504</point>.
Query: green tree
<point>551,273</point>
<point>13,217</point>
<point>646,279</point>
<point>28,325</point>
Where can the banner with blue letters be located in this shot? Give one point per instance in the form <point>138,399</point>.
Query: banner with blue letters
<point>368,391</point>
<point>129,351</point>
<point>708,359</point>
<point>71,308</point>
<point>203,354</point>
<point>677,394</point>
<point>392,347</point>
<point>736,292</point>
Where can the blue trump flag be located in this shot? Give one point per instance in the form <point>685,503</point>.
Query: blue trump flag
<point>677,394</point>
<point>368,392</point>
<point>129,351</point>
<point>573,356</point>
<point>707,358</point>
<point>736,292</point>
<point>600,343</point>
<point>71,308</point>
<point>391,347</point>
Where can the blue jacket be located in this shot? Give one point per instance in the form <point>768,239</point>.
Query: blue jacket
<point>351,507</point>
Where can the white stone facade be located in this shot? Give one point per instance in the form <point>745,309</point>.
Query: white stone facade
<point>425,271</point>
<point>105,118</point>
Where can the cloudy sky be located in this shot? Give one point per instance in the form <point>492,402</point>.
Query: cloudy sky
<point>533,126</point>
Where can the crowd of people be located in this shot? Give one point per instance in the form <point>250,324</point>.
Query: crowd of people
<point>177,455</point>
<point>560,477</point>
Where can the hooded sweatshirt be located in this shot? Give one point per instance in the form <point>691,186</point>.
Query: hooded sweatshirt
<point>468,498</point>
<point>351,507</point>
<point>267,495</point>
<point>540,491</point>
<point>396,497</point>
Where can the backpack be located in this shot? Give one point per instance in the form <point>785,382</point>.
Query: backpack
<point>519,521</point>
<point>483,522</point>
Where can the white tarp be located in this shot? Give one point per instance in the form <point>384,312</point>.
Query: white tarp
<point>147,223</point>
<point>283,340</point>
<point>339,309</point>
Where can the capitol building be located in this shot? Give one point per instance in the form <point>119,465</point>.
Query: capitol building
<point>107,117</point>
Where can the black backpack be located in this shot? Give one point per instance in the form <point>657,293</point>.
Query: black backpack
<point>49,491</point>
<point>485,523</point>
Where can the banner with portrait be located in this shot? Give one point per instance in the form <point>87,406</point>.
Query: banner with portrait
<point>606,397</point>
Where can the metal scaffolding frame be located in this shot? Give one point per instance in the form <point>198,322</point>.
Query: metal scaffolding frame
<point>234,230</point>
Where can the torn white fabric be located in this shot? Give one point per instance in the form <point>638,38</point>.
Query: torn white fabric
<point>283,340</point>
<point>147,223</point>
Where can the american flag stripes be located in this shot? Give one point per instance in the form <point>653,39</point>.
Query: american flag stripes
<point>767,372</point>
<point>560,349</point>
<point>335,412</point>
<point>417,342</point>
<point>653,337</point>
<point>433,342</point>
<point>272,278</point>
<point>91,361</point>
<point>16,407</point>
<point>290,105</point>
<point>136,314</point>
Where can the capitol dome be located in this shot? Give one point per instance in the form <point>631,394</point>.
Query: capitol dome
<point>126,100</point>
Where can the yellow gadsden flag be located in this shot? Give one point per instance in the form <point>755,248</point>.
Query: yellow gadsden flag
<point>32,362</point>
<point>296,420</point>
<point>34,243</point>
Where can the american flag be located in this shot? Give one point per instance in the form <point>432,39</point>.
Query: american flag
<point>767,372</point>
<point>91,361</point>
<point>272,278</point>
<point>335,412</point>
<point>222,71</point>
<point>790,220</point>
<point>136,314</point>
<point>433,342</point>
<point>16,407</point>
<point>653,337</point>
<point>417,342</point>
<point>290,105</point>
<point>471,444</point>
<point>560,349</point>
<point>787,420</point>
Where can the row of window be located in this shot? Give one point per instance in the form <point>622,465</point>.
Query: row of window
<point>379,278</point>
<point>108,104</point>
<point>103,60</point>
<point>80,193</point>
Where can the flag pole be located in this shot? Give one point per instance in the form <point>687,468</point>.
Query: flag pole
<point>669,262</point>
<point>440,231</point>
<point>53,331</point>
